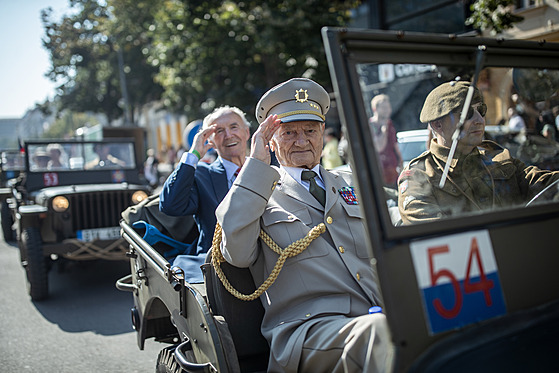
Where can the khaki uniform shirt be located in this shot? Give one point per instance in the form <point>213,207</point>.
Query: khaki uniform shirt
<point>333,276</point>
<point>487,178</point>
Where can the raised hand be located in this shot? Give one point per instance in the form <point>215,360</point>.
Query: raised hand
<point>259,147</point>
<point>200,143</point>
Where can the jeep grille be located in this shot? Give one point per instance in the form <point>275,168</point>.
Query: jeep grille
<point>99,209</point>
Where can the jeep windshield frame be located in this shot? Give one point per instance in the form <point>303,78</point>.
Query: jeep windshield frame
<point>349,51</point>
<point>79,162</point>
<point>516,245</point>
<point>12,160</point>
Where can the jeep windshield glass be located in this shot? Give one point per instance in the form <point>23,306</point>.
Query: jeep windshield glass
<point>78,156</point>
<point>520,118</point>
<point>13,161</point>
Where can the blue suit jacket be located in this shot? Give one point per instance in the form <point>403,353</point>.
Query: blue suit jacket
<point>198,192</point>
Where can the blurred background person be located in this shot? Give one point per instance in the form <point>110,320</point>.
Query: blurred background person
<point>384,139</point>
<point>548,132</point>
<point>515,122</point>
<point>151,172</point>
<point>57,157</point>
<point>330,156</point>
<point>40,159</point>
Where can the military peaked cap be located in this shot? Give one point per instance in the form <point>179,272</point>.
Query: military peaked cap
<point>294,100</point>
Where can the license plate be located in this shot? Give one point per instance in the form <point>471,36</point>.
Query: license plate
<point>110,233</point>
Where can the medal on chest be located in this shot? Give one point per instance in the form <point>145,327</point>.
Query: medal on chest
<point>348,195</point>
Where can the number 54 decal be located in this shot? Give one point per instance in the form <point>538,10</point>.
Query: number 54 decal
<point>458,280</point>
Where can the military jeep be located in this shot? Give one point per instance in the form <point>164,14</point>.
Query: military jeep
<point>11,164</point>
<point>478,292</point>
<point>66,204</point>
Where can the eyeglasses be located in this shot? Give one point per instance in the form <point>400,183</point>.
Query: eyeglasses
<point>481,109</point>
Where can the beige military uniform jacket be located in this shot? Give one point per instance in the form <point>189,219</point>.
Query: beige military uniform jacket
<point>487,178</point>
<point>333,276</point>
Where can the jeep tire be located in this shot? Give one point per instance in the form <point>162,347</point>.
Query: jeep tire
<point>7,221</point>
<point>35,264</point>
<point>166,362</point>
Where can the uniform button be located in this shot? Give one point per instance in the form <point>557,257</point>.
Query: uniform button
<point>358,276</point>
<point>342,250</point>
<point>329,220</point>
<point>308,315</point>
<point>274,185</point>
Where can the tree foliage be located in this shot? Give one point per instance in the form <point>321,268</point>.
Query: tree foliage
<point>193,54</point>
<point>67,123</point>
<point>493,15</point>
<point>196,55</point>
<point>215,53</point>
<point>84,47</point>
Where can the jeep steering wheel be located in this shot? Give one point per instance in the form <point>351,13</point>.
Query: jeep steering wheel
<point>549,193</point>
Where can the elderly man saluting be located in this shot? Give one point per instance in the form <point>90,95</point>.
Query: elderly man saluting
<point>317,310</point>
<point>196,188</point>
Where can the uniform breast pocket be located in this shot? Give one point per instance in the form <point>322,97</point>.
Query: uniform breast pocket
<point>355,230</point>
<point>286,227</point>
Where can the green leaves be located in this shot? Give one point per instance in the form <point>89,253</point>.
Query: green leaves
<point>493,15</point>
<point>194,55</point>
<point>83,47</point>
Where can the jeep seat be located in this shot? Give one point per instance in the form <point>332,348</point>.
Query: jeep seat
<point>243,318</point>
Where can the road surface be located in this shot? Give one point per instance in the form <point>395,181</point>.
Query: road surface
<point>84,326</point>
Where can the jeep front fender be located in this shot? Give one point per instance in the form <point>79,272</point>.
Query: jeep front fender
<point>29,215</point>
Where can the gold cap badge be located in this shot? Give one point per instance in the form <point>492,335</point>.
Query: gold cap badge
<point>299,93</point>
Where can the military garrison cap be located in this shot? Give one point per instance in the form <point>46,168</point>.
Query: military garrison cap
<point>446,98</point>
<point>294,100</point>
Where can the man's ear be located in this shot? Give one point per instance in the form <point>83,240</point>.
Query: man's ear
<point>436,125</point>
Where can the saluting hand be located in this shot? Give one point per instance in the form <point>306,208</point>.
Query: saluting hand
<point>259,147</point>
<point>200,143</point>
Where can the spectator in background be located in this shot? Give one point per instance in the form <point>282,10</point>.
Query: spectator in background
<point>555,112</point>
<point>548,132</point>
<point>515,123</point>
<point>384,139</point>
<point>171,156</point>
<point>330,157</point>
<point>343,150</point>
<point>150,168</point>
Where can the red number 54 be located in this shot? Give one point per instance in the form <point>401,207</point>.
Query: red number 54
<point>483,285</point>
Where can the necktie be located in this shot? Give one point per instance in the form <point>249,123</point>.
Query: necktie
<point>236,173</point>
<point>314,188</point>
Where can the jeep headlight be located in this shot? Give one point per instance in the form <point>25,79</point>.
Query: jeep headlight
<point>60,204</point>
<point>138,196</point>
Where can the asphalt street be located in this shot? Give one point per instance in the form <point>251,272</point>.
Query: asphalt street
<point>83,327</point>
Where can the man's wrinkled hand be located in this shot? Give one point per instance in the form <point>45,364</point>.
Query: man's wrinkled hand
<point>260,148</point>
<point>200,143</point>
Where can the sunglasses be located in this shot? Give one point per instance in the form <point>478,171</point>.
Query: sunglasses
<point>481,109</point>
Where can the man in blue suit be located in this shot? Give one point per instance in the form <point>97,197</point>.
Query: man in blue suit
<point>196,188</point>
